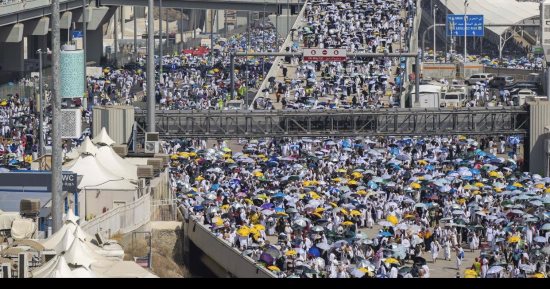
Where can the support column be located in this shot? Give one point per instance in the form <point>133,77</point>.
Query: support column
<point>94,45</point>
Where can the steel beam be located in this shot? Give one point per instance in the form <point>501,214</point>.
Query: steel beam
<point>241,5</point>
<point>319,123</point>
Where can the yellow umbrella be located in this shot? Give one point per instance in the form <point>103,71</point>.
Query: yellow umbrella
<point>4,103</point>
<point>476,192</point>
<point>344,211</point>
<point>199,178</point>
<point>547,190</point>
<point>479,185</point>
<point>184,154</point>
<point>415,186</point>
<point>218,221</point>
<point>243,231</point>
<point>468,187</point>
<point>319,210</point>
<point>262,196</point>
<point>352,182</point>
<point>341,170</point>
<point>361,192</point>
<point>225,207</point>
<point>355,213</point>
<point>469,273</point>
<point>230,161</point>
<point>333,204</point>
<point>259,227</point>
<point>258,174</point>
<point>538,275</point>
<point>248,201</point>
<point>306,183</point>
<point>539,186</point>
<point>291,253</point>
<point>516,184</point>
<point>226,149</point>
<point>192,154</point>
<point>317,214</point>
<point>409,216</point>
<point>514,239</point>
<point>364,270</point>
<point>314,195</point>
<point>347,223</point>
<point>391,261</point>
<point>357,175</point>
<point>337,180</point>
<point>225,156</point>
<point>498,190</point>
<point>493,174</point>
<point>274,268</point>
<point>392,219</point>
<point>282,214</point>
<point>422,162</point>
<point>174,157</point>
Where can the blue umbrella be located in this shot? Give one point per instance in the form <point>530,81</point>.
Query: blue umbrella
<point>267,206</point>
<point>278,195</point>
<point>513,140</point>
<point>198,208</point>
<point>215,187</point>
<point>385,234</point>
<point>314,251</point>
<point>475,171</point>
<point>272,164</point>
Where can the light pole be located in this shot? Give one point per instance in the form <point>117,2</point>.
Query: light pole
<point>435,53</point>
<point>465,27</point>
<point>446,36</point>
<point>150,68</point>
<point>57,153</point>
<point>41,104</point>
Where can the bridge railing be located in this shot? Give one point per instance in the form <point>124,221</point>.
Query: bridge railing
<point>320,123</point>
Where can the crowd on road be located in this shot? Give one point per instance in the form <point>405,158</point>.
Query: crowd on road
<point>195,78</point>
<point>361,207</point>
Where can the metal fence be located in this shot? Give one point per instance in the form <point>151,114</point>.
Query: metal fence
<point>164,210</point>
<point>121,219</point>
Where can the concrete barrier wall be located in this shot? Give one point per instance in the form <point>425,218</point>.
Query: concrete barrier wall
<point>539,119</point>
<point>439,70</point>
<point>468,69</point>
<point>221,251</point>
<point>518,74</point>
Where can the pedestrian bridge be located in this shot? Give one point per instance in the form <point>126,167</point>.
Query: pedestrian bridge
<point>338,123</point>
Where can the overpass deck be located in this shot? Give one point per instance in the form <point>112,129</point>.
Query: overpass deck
<point>338,123</point>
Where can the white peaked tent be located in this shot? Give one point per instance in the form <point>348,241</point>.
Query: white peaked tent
<point>80,254</point>
<point>66,234</point>
<point>87,147</point>
<point>95,176</point>
<point>103,138</point>
<point>115,164</point>
<point>57,267</point>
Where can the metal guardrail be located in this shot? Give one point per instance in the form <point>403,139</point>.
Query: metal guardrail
<point>351,122</point>
<point>121,219</point>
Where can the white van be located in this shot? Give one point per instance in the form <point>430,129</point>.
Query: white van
<point>429,96</point>
<point>478,77</point>
<point>455,97</point>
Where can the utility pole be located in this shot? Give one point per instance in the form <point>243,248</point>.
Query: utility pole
<point>135,34</point>
<point>446,36</point>
<point>465,27</point>
<point>57,157</point>
<point>84,17</point>
<point>150,69</point>
<point>41,105</point>
<point>160,41</point>
<point>435,39</point>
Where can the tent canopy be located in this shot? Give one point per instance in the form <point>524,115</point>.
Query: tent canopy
<point>103,138</point>
<point>96,176</point>
<point>115,164</point>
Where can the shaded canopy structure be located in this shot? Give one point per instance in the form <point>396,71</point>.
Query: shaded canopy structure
<point>103,138</point>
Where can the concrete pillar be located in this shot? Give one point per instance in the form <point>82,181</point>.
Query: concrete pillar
<point>13,61</point>
<point>94,45</point>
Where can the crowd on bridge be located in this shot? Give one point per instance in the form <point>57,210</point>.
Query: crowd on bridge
<point>370,207</point>
<point>357,26</point>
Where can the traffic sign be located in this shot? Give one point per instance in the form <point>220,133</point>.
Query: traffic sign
<point>325,54</point>
<point>474,25</point>
<point>77,34</point>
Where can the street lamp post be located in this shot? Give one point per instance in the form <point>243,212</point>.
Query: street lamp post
<point>40,104</point>
<point>465,27</point>
<point>435,39</point>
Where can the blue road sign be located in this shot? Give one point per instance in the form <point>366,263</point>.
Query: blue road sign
<point>77,34</point>
<point>455,25</point>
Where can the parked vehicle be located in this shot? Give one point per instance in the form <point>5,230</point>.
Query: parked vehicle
<point>455,97</point>
<point>429,95</point>
<point>478,77</point>
<point>502,81</point>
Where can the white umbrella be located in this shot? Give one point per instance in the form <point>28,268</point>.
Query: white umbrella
<point>323,246</point>
<point>385,224</point>
<point>402,226</point>
<point>495,269</point>
<point>546,227</point>
<point>540,239</point>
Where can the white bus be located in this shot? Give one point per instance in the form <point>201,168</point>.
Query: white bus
<point>429,95</point>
